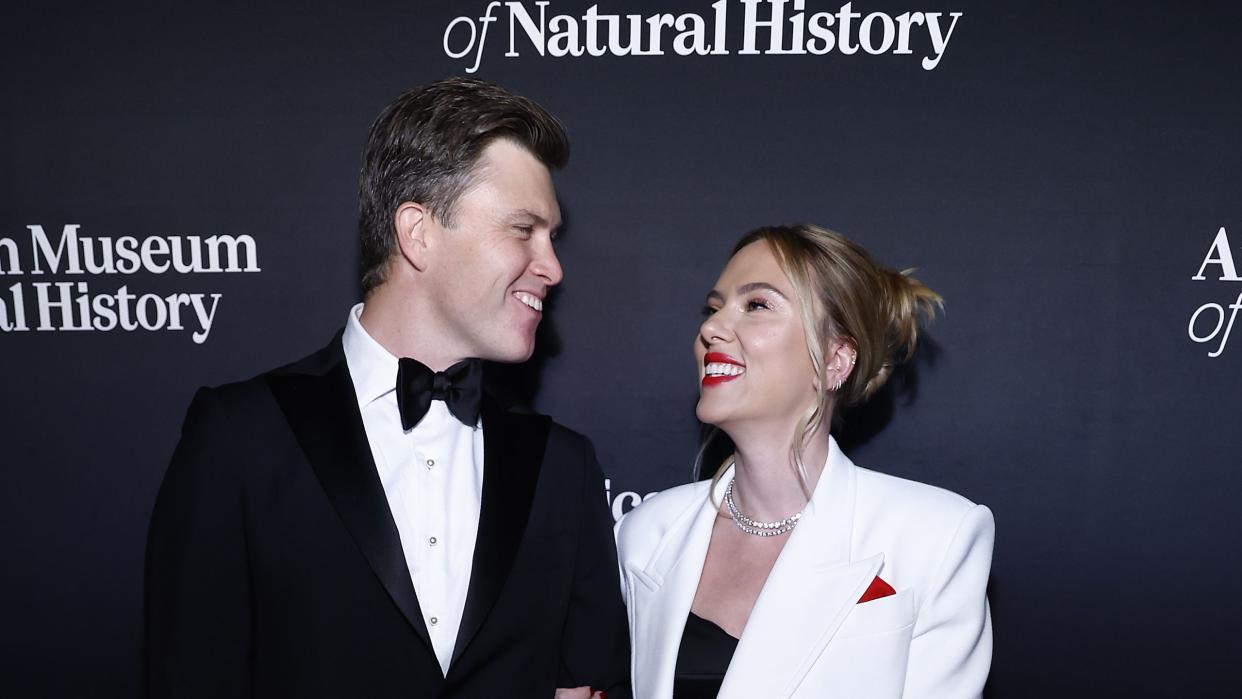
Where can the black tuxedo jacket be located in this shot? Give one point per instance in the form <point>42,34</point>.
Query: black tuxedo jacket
<point>274,567</point>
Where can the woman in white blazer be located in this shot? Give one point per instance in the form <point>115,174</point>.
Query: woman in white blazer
<point>795,573</point>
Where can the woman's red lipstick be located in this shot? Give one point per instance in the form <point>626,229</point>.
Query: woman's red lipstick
<point>714,379</point>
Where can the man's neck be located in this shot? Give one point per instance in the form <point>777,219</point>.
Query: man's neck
<point>393,320</point>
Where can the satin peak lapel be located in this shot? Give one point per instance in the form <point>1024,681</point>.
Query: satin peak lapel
<point>318,399</point>
<point>513,447</point>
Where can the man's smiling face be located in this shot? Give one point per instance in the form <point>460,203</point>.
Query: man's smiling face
<point>489,272</point>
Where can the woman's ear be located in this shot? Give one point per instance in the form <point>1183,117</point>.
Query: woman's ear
<point>840,361</point>
<point>410,224</point>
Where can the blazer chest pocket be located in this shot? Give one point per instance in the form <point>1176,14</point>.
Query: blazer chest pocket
<point>881,615</point>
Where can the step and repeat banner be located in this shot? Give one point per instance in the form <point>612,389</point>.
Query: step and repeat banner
<point>179,209</point>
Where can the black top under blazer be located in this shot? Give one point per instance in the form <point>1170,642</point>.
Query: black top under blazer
<point>274,567</point>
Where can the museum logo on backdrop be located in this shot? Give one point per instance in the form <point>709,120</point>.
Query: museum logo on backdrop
<point>1212,323</point>
<point>807,28</point>
<point>70,279</point>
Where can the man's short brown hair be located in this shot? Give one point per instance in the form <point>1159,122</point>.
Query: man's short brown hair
<point>424,148</point>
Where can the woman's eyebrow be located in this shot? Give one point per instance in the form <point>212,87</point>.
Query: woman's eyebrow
<point>744,289</point>
<point>760,286</point>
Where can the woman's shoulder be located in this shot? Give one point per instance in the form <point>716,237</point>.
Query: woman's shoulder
<point>921,504</point>
<point>647,523</point>
<point>916,525</point>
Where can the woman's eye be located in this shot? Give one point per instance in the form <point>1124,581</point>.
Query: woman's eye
<point>756,305</point>
<point>708,310</point>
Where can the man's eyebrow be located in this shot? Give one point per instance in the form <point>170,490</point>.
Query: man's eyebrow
<point>527,214</point>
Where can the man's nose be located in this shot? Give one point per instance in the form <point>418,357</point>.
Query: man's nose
<point>547,267</point>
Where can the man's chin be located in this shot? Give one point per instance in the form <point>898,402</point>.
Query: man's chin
<point>512,355</point>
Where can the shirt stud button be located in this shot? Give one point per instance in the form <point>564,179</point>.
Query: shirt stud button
<point>432,541</point>
<point>431,462</point>
<point>434,621</point>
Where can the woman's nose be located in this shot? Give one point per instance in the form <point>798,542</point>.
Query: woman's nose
<point>715,329</point>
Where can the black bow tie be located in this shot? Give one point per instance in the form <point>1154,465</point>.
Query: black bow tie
<point>460,387</point>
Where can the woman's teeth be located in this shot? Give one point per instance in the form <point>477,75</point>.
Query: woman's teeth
<point>723,369</point>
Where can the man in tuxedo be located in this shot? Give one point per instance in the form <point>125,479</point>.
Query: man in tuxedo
<point>370,521</point>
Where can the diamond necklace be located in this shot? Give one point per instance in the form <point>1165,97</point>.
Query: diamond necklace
<point>756,528</point>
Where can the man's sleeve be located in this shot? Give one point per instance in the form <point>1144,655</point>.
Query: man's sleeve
<point>196,600</point>
<point>595,647</point>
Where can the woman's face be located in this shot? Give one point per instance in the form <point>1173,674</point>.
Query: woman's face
<point>754,366</point>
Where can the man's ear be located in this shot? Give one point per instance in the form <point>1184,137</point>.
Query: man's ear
<point>411,224</point>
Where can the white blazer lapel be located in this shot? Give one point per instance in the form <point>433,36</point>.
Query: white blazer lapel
<point>811,589</point>
<point>668,583</point>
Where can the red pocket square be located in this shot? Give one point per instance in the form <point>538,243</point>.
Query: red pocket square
<point>877,589</point>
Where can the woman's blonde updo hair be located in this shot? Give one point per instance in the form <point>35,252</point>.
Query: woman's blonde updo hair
<point>845,296</point>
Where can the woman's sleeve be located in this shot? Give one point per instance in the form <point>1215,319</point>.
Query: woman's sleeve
<point>951,650</point>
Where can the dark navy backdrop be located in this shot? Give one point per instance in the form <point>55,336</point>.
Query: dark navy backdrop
<point>1058,178</point>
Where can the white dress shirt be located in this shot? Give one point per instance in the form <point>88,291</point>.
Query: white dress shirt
<point>433,479</point>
